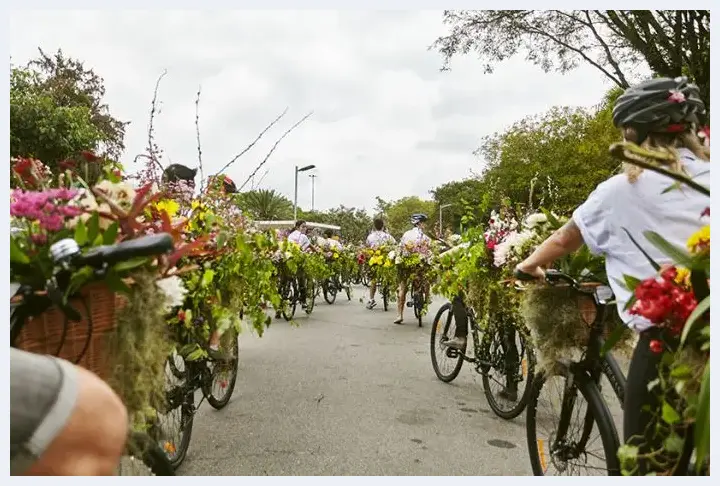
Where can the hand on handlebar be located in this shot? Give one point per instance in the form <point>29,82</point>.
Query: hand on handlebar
<point>529,273</point>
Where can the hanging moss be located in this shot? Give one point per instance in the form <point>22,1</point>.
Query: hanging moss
<point>138,350</point>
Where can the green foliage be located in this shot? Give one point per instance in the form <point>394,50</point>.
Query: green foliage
<point>56,111</point>
<point>463,195</point>
<point>354,223</point>
<point>265,205</point>
<point>397,213</point>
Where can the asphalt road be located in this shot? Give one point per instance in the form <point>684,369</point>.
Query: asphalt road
<point>347,392</point>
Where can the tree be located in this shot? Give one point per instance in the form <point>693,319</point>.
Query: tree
<point>265,205</point>
<point>354,223</point>
<point>397,213</point>
<point>671,42</point>
<point>56,111</point>
<point>460,194</point>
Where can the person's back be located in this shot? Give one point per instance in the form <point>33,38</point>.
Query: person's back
<point>644,205</point>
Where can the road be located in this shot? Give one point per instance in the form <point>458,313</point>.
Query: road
<point>347,392</point>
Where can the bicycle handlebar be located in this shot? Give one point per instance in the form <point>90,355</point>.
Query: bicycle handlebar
<point>552,277</point>
<point>110,254</point>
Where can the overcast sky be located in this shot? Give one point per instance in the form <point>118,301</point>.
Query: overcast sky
<point>387,122</point>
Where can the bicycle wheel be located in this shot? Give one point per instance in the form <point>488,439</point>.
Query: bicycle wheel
<point>289,299</point>
<point>143,457</point>
<point>310,301</point>
<point>418,303</point>
<point>512,369</point>
<point>174,440</point>
<point>224,374</point>
<point>346,285</point>
<point>441,331</point>
<point>386,298</point>
<point>567,454</point>
<point>329,291</point>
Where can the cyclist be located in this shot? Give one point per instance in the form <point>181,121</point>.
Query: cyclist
<point>378,237</point>
<point>64,420</point>
<point>659,114</point>
<point>409,238</point>
<point>300,238</point>
<point>332,241</point>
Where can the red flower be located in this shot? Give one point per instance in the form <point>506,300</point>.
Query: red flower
<point>89,156</point>
<point>181,315</point>
<point>67,164</point>
<point>661,301</point>
<point>706,212</point>
<point>656,346</point>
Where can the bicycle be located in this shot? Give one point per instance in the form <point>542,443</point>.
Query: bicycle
<point>496,351</point>
<point>581,376</point>
<point>418,298</point>
<point>330,288</point>
<point>67,257</point>
<point>201,374</point>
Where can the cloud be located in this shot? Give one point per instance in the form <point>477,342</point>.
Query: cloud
<point>386,121</point>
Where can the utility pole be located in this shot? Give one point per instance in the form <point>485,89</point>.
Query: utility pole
<point>313,176</point>
<point>299,169</point>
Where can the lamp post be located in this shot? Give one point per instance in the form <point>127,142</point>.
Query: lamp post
<point>312,177</point>
<point>299,169</point>
<point>443,206</point>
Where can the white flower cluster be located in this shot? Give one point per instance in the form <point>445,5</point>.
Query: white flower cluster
<point>174,291</point>
<point>505,250</point>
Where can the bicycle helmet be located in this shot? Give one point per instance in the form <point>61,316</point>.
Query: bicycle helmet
<point>659,105</point>
<point>179,172</point>
<point>418,218</point>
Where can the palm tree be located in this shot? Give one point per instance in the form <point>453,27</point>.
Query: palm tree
<point>265,205</point>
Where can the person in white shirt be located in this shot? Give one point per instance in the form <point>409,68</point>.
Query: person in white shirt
<point>377,238</point>
<point>662,115</point>
<point>414,235</point>
<point>331,241</point>
<point>300,238</point>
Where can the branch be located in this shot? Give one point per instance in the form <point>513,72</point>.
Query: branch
<point>245,150</point>
<point>151,130</point>
<point>197,134</point>
<point>273,149</point>
<point>608,54</point>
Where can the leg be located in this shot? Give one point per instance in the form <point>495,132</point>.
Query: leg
<point>64,420</point>
<point>461,324</point>
<point>402,291</point>
<point>373,288</point>
<point>512,357</point>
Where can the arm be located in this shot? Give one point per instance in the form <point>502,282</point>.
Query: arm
<point>563,242</point>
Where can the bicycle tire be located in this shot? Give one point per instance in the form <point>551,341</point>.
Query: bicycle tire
<point>433,338</point>
<point>220,403</point>
<point>597,411</point>
<point>310,300</point>
<point>154,461</point>
<point>528,372</point>
<point>289,300</point>
<point>386,298</point>
<point>418,304</point>
<point>329,292</point>
<point>187,417</point>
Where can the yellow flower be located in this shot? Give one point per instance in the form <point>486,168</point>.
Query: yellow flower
<point>169,206</point>
<point>335,255</point>
<point>195,204</point>
<point>700,240</point>
<point>683,276</point>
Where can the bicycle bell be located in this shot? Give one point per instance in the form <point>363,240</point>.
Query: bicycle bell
<point>64,250</point>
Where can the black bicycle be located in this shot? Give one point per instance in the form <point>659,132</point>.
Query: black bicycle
<point>418,298</point>
<point>566,446</point>
<point>67,257</point>
<point>503,357</point>
<point>330,288</point>
<point>215,377</point>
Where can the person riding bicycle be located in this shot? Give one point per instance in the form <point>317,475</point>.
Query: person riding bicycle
<point>331,241</point>
<point>409,239</point>
<point>377,238</point>
<point>660,114</point>
<point>300,238</point>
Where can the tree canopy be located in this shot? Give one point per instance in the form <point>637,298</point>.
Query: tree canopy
<point>670,42</point>
<point>56,111</point>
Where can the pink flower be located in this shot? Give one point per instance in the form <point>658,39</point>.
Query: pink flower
<point>676,97</point>
<point>49,208</point>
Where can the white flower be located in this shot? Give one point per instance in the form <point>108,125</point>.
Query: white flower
<point>391,255</point>
<point>535,219</point>
<point>174,291</point>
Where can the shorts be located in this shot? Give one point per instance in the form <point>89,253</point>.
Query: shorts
<point>43,391</point>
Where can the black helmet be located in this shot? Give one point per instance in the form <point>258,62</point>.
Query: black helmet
<point>178,172</point>
<point>418,218</point>
<point>659,105</point>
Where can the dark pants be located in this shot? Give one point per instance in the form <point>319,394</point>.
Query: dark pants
<point>643,406</point>
<point>460,315</point>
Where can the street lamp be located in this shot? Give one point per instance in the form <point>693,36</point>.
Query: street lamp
<point>300,169</point>
<point>312,177</point>
<point>443,206</point>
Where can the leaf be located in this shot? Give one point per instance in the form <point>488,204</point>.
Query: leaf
<point>699,310</point>
<point>631,282</point>
<point>110,234</point>
<point>115,283</point>
<point>16,254</point>
<point>81,233</point>
<point>126,265</point>
<point>669,415</point>
<point>612,339</point>
<point>649,258</point>
<point>681,371</point>
<point>93,227</point>
<point>702,420</point>
<point>674,443</point>
<point>207,278</point>
<point>678,255</point>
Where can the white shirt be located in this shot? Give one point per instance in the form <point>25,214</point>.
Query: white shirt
<point>377,239</point>
<point>299,239</point>
<point>414,235</point>
<point>334,244</point>
<point>616,204</point>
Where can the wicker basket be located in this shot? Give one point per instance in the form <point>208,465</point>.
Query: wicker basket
<point>43,334</point>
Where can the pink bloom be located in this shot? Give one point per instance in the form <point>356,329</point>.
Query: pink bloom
<point>676,97</point>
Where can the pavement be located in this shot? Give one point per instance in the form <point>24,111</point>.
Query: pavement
<point>347,392</point>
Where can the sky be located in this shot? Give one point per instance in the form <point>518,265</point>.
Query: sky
<point>386,121</point>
